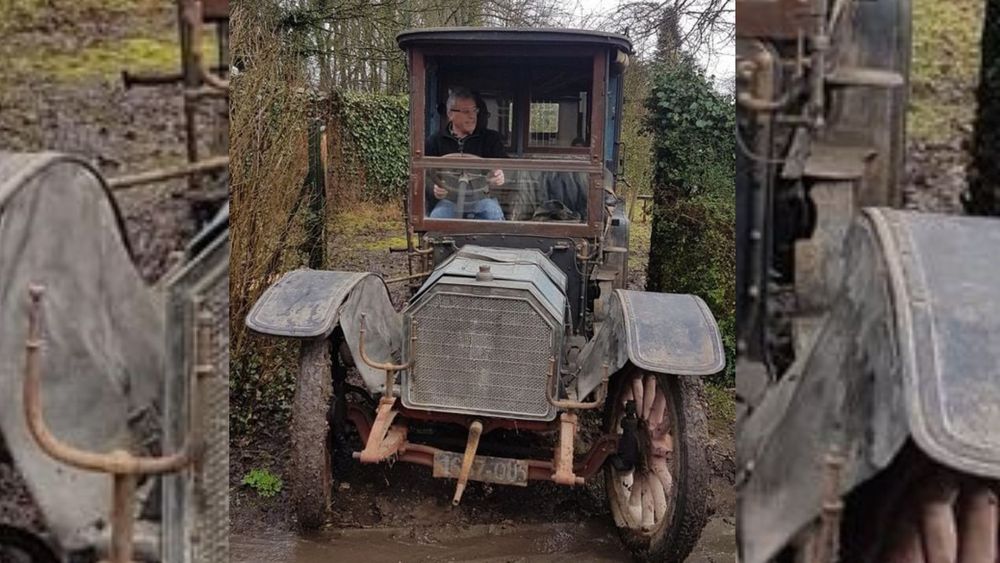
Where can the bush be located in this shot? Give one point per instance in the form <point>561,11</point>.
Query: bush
<point>693,246</point>
<point>694,251</point>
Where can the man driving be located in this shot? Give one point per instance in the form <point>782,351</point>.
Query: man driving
<point>464,135</point>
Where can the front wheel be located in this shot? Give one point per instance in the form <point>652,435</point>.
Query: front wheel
<point>660,502</point>
<point>310,471</point>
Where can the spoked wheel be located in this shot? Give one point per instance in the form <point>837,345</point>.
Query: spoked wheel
<point>311,472</point>
<point>944,516</point>
<point>659,499</point>
<point>21,546</point>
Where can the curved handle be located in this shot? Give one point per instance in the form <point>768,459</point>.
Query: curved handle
<point>119,462</point>
<point>372,363</point>
<point>390,368</point>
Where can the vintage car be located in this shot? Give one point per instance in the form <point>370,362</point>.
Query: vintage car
<point>518,320</point>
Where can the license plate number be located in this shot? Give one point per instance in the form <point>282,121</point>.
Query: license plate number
<point>487,469</point>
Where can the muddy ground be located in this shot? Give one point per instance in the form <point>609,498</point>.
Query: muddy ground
<point>401,513</point>
<point>61,90</point>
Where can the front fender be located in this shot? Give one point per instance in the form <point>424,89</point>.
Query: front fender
<point>910,348</point>
<point>311,303</point>
<point>658,332</point>
<point>946,286</point>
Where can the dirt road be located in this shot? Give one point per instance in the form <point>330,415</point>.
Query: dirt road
<point>592,540</point>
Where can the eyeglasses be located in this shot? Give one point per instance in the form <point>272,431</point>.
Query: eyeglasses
<point>465,112</point>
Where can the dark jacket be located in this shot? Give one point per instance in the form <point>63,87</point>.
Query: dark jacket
<point>483,142</point>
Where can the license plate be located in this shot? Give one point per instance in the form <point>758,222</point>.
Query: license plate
<point>484,468</point>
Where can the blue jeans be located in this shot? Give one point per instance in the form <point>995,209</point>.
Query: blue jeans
<point>486,208</point>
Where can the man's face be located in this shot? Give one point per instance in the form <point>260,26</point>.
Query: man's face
<point>463,114</point>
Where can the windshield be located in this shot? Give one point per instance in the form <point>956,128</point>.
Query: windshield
<point>512,142</point>
<point>506,193</point>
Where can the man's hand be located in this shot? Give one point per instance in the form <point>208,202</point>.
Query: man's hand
<point>495,178</point>
<point>440,192</point>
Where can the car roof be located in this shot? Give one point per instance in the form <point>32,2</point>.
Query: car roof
<point>454,36</point>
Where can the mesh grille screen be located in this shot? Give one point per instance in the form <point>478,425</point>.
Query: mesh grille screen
<point>481,353</point>
<point>210,541</point>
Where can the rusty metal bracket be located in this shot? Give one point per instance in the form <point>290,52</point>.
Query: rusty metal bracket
<point>563,461</point>
<point>390,368</point>
<point>385,439</point>
<point>551,390</point>
<point>124,466</point>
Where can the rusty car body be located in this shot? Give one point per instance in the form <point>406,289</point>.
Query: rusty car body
<point>516,324</point>
<point>867,370</point>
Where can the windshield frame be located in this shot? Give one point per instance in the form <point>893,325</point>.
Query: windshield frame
<point>593,166</point>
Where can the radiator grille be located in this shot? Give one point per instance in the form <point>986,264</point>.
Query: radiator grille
<point>481,354</point>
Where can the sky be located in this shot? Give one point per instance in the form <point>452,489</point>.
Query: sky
<point>722,65</point>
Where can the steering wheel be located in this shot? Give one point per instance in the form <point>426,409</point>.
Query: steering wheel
<point>464,186</point>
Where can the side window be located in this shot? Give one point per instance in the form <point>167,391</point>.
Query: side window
<point>499,108</point>
<point>559,113</point>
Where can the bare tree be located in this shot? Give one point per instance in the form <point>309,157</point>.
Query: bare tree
<point>704,26</point>
<point>351,43</point>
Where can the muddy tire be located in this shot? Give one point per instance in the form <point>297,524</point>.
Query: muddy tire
<point>665,528</point>
<point>311,477</point>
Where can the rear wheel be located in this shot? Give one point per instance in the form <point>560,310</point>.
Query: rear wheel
<point>660,504</point>
<point>311,472</point>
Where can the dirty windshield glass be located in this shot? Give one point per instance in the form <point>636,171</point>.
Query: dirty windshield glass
<point>506,195</point>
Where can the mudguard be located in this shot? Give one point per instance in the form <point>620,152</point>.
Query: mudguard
<point>910,349</point>
<point>102,327</point>
<point>311,303</point>
<point>658,332</point>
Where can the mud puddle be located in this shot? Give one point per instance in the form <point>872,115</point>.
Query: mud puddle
<point>591,540</point>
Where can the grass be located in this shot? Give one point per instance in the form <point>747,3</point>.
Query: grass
<point>105,61</point>
<point>146,46</point>
<point>19,15</point>
<point>368,227</point>
<point>638,235</point>
<point>721,409</point>
<point>945,67</point>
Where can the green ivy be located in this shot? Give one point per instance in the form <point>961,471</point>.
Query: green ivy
<point>377,129</point>
<point>693,145</point>
<point>693,247</point>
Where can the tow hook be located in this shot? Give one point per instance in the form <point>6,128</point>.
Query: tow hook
<point>627,456</point>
